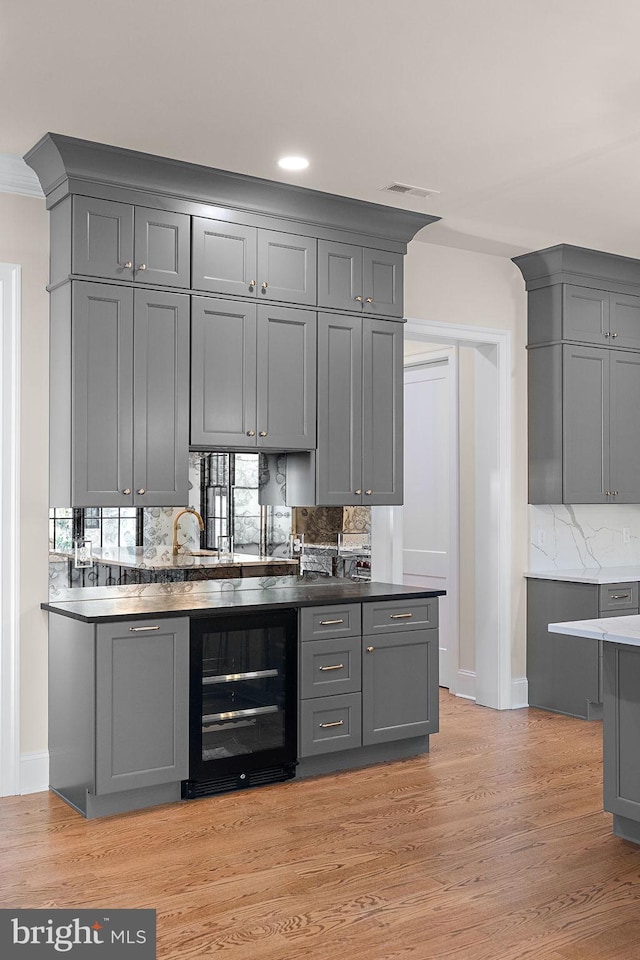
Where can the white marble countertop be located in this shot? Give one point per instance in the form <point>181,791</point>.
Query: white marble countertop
<point>589,575</point>
<point>612,629</point>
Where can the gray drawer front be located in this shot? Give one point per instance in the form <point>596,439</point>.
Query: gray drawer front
<point>329,667</point>
<point>330,724</point>
<point>388,616</point>
<point>617,596</point>
<point>341,620</point>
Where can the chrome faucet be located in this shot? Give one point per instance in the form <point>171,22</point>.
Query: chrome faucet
<point>193,512</point>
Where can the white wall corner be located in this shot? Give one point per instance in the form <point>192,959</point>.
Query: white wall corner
<point>466,685</point>
<point>17,177</point>
<point>519,693</point>
<point>34,772</point>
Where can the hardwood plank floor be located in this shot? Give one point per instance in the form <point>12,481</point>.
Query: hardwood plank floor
<point>492,847</point>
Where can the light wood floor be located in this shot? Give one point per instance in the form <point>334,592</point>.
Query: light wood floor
<point>492,847</point>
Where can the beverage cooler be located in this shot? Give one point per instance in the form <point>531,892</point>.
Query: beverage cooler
<point>242,720</point>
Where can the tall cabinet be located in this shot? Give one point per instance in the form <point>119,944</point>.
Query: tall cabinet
<point>584,376</point>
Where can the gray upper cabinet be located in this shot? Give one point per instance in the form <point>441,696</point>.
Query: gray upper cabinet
<point>585,424</point>
<point>359,278</point>
<point>117,241</point>
<point>121,436</point>
<point>585,314</point>
<point>624,426</point>
<point>230,258</point>
<point>624,322</point>
<point>253,376</point>
<point>382,412</point>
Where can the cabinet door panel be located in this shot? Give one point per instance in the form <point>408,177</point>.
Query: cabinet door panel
<point>287,263</point>
<point>625,426</point>
<point>382,466</point>
<point>339,457</point>
<point>624,320</point>
<point>161,399</point>
<point>382,279</point>
<point>585,314</point>
<point>163,245</point>
<point>286,378</point>
<point>102,238</point>
<point>102,417</point>
<point>223,373</point>
<point>224,257</point>
<point>399,686</point>
<point>585,424</point>
<point>142,704</point>
<point>339,275</point>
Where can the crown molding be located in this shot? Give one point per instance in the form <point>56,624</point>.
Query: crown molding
<point>17,177</point>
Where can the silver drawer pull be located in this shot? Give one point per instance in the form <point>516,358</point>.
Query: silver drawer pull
<point>334,666</point>
<point>326,623</point>
<point>620,596</point>
<point>400,616</point>
<point>335,723</point>
<point>140,629</point>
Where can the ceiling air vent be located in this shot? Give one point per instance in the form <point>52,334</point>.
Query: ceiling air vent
<point>407,190</point>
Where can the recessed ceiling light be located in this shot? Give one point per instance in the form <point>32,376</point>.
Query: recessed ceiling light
<point>293,163</point>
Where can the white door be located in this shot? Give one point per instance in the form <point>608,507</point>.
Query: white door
<point>427,487</point>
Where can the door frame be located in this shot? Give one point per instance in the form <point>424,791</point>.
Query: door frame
<point>492,685</point>
<point>10,314</point>
<point>449,355</point>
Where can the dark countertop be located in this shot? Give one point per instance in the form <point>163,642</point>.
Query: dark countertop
<point>109,604</point>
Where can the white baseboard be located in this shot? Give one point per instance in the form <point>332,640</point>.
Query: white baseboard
<point>34,772</point>
<point>519,693</point>
<point>466,684</point>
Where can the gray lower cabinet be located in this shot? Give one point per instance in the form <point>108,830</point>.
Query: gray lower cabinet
<point>359,278</point>
<point>364,689</point>
<point>230,258</point>
<point>117,241</point>
<point>118,712</point>
<point>253,376</point>
<point>621,771</point>
<point>584,432</point>
<point>119,396</point>
<point>564,673</point>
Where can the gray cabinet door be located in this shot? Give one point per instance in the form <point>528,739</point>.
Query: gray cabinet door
<point>102,405</point>
<point>624,320</point>
<point>339,456</point>
<point>620,730</point>
<point>339,275</point>
<point>162,247</point>
<point>399,686</point>
<point>286,267</point>
<point>142,704</point>
<point>161,399</point>
<point>223,373</point>
<point>102,238</point>
<point>624,426</point>
<point>382,412</point>
<point>224,257</point>
<point>382,282</point>
<point>585,426</point>
<point>286,378</point>
<point>585,314</point>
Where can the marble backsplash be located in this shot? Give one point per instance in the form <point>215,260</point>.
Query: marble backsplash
<point>566,537</point>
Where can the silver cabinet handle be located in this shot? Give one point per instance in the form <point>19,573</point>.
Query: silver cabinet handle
<point>614,596</point>
<point>359,299</point>
<point>334,666</point>
<point>334,723</point>
<point>127,265</point>
<point>607,334</point>
<point>127,491</point>
<point>400,616</point>
<point>369,649</point>
<point>369,299</point>
<point>264,284</point>
<point>263,433</point>
<point>141,266</point>
<point>141,629</point>
<point>358,492</point>
<point>251,433</point>
<point>613,336</point>
<point>368,492</point>
<point>325,623</point>
<point>252,283</point>
<point>141,491</point>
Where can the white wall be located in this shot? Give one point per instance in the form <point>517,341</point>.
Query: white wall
<point>456,286</point>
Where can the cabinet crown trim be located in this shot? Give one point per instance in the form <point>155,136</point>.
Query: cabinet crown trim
<point>57,159</point>
<point>565,263</point>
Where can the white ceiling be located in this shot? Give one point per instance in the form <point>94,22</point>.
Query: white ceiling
<point>523,113</point>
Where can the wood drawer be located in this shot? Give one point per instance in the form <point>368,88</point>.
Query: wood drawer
<point>329,667</point>
<point>617,596</point>
<point>339,620</point>
<point>329,724</point>
<point>389,616</point>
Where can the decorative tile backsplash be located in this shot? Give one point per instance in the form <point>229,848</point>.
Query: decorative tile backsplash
<point>565,537</point>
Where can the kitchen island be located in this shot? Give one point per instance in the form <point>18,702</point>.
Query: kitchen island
<point>620,638</point>
<point>128,698</point>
